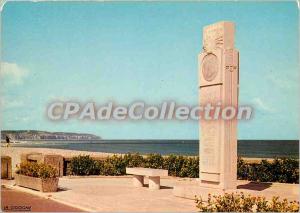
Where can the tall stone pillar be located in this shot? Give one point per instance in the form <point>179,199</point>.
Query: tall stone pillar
<point>218,79</point>
<point>218,73</point>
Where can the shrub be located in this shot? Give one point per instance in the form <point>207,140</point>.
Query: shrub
<point>286,170</point>
<point>134,160</point>
<point>154,161</point>
<point>173,164</point>
<point>190,168</point>
<point>238,202</point>
<point>114,165</point>
<point>283,170</point>
<point>39,170</point>
<point>84,165</point>
<point>242,169</point>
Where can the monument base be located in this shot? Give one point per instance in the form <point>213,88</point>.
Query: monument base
<point>191,190</point>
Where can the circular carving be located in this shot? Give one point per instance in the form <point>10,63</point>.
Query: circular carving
<point>210,67</point>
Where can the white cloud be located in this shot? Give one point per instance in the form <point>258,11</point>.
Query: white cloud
<point>262,105</point>
<point>283,82</point>
<point>12,73</point>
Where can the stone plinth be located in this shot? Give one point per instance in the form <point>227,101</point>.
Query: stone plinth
<point>191,188</point>
<point>138,180</point>
<point>154,182</point>
<point>6,167</point>
<point>55,161</point>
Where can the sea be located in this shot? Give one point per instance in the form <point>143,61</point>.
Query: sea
<point>246,148</point>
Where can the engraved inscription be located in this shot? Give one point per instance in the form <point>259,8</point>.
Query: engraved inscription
<point>229,64</point>
<point>209,145</point>
<point>210,131</point>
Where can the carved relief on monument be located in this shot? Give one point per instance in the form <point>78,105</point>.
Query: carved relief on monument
<point>213,38</point>
<point>210,67</point>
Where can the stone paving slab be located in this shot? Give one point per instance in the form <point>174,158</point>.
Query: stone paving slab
<point>110,194</point>
<point>118,194</point>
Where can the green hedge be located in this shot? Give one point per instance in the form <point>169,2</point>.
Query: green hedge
<point>84,165</point>
<point>285,170</point>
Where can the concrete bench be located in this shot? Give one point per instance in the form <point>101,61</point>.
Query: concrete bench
<point>152,174</point>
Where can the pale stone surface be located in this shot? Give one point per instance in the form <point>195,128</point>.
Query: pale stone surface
<point>55,161</point>
<point>190,187</point>
<point>116,194</point>
<point>218,72</point>
<point>43,185</point>
<point>146,171</point>
<point>154,183</point>
<point>38,157</point>
<point>138,180</point>
<point>152,174</point>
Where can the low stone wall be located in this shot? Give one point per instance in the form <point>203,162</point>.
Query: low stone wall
<point>44,185</point>
<point>18,154</point>
<point>56,161</point>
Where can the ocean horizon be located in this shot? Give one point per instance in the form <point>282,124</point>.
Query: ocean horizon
<point>246,148</point>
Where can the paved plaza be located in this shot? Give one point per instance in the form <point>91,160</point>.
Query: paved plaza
<point>115,194</point>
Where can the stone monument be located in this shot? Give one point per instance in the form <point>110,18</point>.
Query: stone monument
<point>218,72</point>
<point>218,79</point>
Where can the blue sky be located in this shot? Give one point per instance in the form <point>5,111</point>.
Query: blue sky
<point>124,52</point>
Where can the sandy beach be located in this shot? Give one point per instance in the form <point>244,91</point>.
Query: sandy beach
<point>14,152</point>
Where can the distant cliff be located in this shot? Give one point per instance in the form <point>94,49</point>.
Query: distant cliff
<point>43,135</point>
